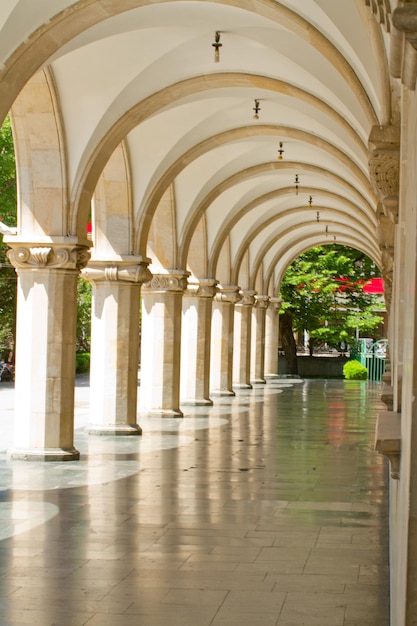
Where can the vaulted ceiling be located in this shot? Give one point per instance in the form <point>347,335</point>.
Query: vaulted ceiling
<point>142,75</point>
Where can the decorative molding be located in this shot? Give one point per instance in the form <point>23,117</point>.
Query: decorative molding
<point>52,256</point>
<point>127,271</point>
<point>384,167</point>
<point>228,293</point>
<point>275,303</point>
<point>175,282</point>
<point>404,19</point>
<point>382,10</point>
<point>261,302</point>
<point>248,298</point>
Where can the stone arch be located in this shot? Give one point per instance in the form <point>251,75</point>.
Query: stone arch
<point>43,204</point>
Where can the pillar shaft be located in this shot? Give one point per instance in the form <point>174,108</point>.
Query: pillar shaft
<point>115,344</point>
<point>242,341</point>
<point>161,343</point>
<point>272,338</point>
<point>222,332</point>
<point>45,349</point>
<point>195,343</point>
<point>257,368</point>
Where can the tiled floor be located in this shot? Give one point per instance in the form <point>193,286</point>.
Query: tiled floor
<point>267,509</point>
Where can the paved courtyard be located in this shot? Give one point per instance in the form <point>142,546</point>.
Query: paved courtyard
<point>269,508</point>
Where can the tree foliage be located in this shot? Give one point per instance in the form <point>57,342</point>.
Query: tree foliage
<point>322,290</point>
<point>8,276</point>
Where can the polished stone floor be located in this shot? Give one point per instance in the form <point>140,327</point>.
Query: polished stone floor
<point>266,509</point>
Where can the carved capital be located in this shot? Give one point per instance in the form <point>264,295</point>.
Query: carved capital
<point>275,304</point>
<point>405,21</point>
<point>248,298</point>
<point>228,293</point>
<point>384,167</point>
<point>175,282</point>
<point>28,256</point>
<point>203,288</point>
<point>123,270</point>
<point>261,302</point>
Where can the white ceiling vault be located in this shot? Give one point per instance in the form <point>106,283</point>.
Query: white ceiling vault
<point>137,99</point>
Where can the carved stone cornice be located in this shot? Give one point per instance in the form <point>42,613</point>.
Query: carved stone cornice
<point>228,293</point>
<point>132,269</point>
<point>384,167</point>
<point>382,10</point>
<point>248,298</point>
<point>174,281</point>
<point>261,302</point>
<point>50,255</point>
<point>205,288</point>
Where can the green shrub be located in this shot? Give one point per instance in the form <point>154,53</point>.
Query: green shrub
<point>82,362</point>
<point>353,370</point>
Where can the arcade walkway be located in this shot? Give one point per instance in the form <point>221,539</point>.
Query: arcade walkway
<point>267,509</point>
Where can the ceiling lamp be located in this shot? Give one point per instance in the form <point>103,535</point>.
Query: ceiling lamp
<point>256,108</point>
<point>280,151</point>
<point>217,45</point>
<point>310,201</point>
<point>318,216</point>
<point>326,230</point>
<point>296,182</point>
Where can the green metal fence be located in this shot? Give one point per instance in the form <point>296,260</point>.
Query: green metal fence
<point>373,356</point>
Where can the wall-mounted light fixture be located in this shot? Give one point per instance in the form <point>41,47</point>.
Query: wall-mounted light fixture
<point>280,151</point>
<point>318,216</point>
<point>256,108</point>
<point>217,45</point>
<point>296,183</point>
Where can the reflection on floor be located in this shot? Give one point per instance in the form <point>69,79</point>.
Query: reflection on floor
<point>269,508</point>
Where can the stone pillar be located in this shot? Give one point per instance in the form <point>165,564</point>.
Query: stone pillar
<point>242,341</point>
<point>161,343</point>
<point>195,343</point>
<point>272,337</point>
<point>222,331</point>
<point>257,367</point>
<point>115,344</point>
<point>45,347</point>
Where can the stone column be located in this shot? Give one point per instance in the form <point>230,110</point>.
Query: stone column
<point>222,330</point>
<point>242,341</point>
<point>195,343</point>
<point>161,343</point>
<point>115,344</point>
<point>272,337</point>
<point>45,347</point>
<point>257,367</point>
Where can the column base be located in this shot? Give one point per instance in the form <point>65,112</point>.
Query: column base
<point>242,386</point>
<point>115,430</point>
<point>268,376</point>
<point>222,392</point>
<point>258,381</point>
<point>197,402</point>
<point>162,412</point>
<point>44,454</point>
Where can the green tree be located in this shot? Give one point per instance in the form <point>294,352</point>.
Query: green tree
<point>8,276</point>
<point>322,292</point>
<point>83,315</point>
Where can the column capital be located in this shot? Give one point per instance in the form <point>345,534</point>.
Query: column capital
<point>132,269</point>
<point>384,167</point>
<point>275,303</point>
<point>261,302</point>
<point>248,297</point>
<point>404,19</point>
<point>204,288</point>
<point>174,281</point>
<point>228,293</point>
<point>47,253</point>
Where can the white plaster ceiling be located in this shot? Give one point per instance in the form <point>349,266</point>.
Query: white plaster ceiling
<point>317,67</point>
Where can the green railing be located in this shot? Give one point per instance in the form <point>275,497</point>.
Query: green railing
<point>373,356</point>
